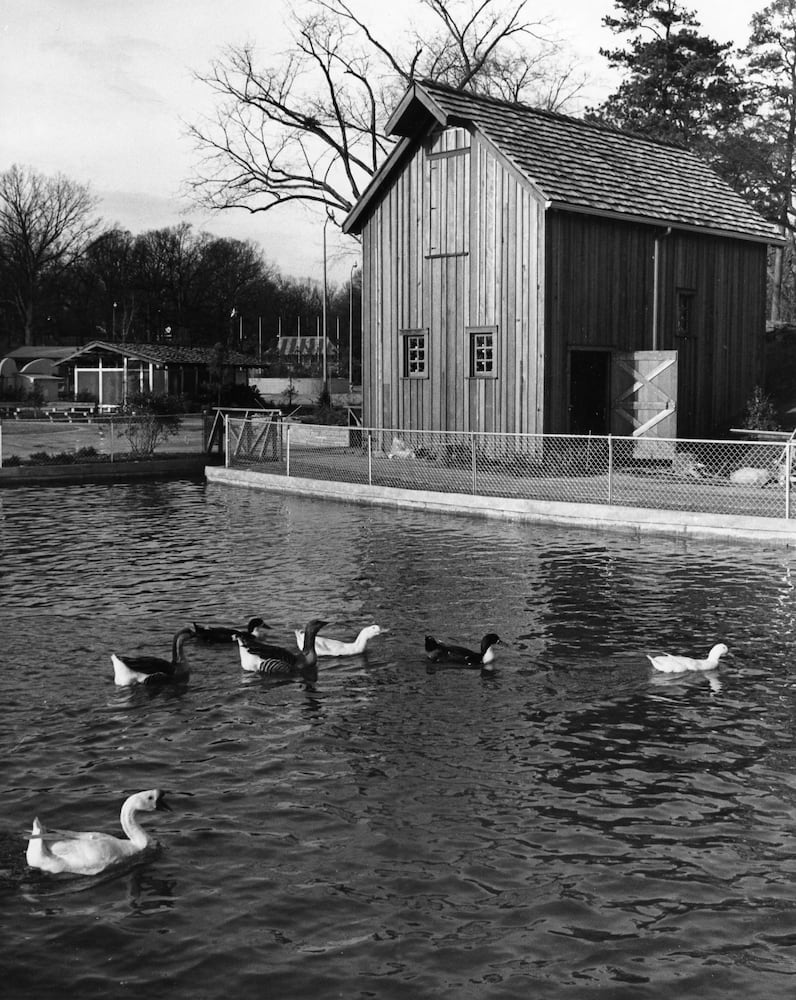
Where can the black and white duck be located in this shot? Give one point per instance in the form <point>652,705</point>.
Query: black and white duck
<point>440,652</point>
<point>137,669</point>
<point>264,658</point>
<point>91,853</point>
<point>256,628</point>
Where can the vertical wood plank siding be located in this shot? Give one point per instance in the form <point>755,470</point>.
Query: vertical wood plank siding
<point>548,281</point>
<point>600,294</point>
<point>480,265</point>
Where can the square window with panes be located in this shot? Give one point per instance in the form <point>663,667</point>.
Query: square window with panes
<point>483,357</point>
<point>415,361</point>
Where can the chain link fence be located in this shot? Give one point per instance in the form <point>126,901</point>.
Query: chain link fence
<point>722,477</point>
<point>100,438</point>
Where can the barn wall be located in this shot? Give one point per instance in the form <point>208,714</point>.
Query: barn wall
<point>599,282</point>
<point>600,293</point>
<point>720,342</point>
<point>455,243</point>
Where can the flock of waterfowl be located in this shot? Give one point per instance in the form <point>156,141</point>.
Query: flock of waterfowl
<point>91,853</point>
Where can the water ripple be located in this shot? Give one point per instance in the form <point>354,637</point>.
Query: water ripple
<point>572,825</point>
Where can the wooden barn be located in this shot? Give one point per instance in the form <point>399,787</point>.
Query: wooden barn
<point>524,271</point>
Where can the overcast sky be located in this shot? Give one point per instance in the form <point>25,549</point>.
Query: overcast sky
<point>101,90</point>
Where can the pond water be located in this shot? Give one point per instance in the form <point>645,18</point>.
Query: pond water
<point>573,826</point>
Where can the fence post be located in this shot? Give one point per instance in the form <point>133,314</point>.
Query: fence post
<point>226,441</point>
<point>111,425</point>
<point>1,444</point>
<point>610,469</point>
<point>474,474</point>
<point>287,451</point>
<point>788,460</point>
<point>370,459</point>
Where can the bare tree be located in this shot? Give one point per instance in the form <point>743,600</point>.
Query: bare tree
<point>312,128</point>
<point>45,225</point>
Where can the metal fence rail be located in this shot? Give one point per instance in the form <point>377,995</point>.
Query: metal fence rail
<point>723,477</point>
<point>99,438</point>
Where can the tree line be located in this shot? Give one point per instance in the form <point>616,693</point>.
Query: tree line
<point>311,128</point>
<point>64,279</point>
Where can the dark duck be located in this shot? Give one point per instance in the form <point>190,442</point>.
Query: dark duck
<point>256,628</point>
<point>264,658</point>
<point>443,653</point>
<point>136,669</point>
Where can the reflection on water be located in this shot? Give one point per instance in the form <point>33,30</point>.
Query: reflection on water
<point>574,824</point>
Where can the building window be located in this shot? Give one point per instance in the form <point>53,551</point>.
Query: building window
<point>483,352</point>
<point>685,314</point>
<point>415,360</point>
<point>448,218</point>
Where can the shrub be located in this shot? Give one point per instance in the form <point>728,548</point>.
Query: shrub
<point>151,419</point>
<point>760,413</point>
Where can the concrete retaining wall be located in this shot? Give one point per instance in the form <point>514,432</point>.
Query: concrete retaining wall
<point>762,530</point>
<point>319,436</point>
<point>171,466</point>
<point>307,389</point>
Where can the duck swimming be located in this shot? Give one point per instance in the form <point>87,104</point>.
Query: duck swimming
<point>90,853</point>
<point>336,647</point>
<point>440,652</point>
<point>223,633</point>
<point>137,669</point>
<point>264,658</point>
<point>670,663</point>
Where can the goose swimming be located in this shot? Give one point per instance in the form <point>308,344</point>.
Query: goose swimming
<point>336,647</point>
<point>136,669</point>
<point>671,663</point>
<point>223,633</point>
<point>440,652</point>
<point>263,658</point>
<point>90,853</point>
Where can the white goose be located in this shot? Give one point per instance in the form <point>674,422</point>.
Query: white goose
<point>670,663</point>
<point>336,647</point>
<point>90,853</point>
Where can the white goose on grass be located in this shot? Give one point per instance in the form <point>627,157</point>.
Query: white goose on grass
<point>671,663</point>
<point>91,853</point>
<point>137,669</point>
<point>336,647</point>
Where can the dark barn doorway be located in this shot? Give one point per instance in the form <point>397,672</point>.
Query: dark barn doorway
<point>589,392</point>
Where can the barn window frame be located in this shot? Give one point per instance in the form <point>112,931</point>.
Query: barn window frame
<point>448,207</point>
<point>684,315</point>
<point>414,354</point>
<point>483,351</point>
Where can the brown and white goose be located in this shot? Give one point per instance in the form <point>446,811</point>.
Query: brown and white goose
<point>137,669</point>
<point>264,658</point>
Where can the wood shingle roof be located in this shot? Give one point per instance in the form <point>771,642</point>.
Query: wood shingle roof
<point>160,354</point>
<point>584,166</point>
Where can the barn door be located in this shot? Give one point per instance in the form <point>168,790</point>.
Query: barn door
<point>644,397</point>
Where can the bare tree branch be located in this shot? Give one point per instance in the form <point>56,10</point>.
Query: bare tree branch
<point>311,128</point>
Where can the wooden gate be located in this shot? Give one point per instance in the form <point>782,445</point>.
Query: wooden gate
<point>644,398</point>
